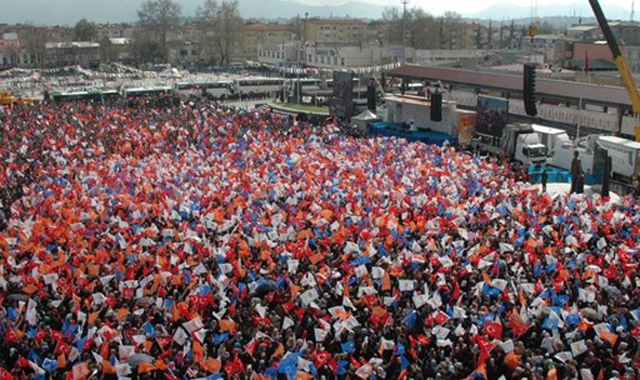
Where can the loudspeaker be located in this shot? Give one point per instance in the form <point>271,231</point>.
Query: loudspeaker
<point>371,95</point>
<point>529,89</point>
<point>436,106</point>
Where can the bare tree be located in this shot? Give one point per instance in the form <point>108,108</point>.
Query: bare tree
<point>35,41</point>
<point>394,29</point>
<point>160,17</point>
<point>220,25</point>
<point>419,28</point>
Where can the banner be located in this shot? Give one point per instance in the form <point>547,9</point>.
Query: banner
<point>306,71</point>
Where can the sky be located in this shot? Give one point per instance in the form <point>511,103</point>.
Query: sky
<point>68,12</point>
<point>473,6</point>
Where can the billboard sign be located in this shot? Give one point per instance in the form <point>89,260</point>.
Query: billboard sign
<point>492,115</point>
<point>342,100</point>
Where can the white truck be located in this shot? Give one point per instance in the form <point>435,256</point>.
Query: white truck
<point>518,142</point>
<point>625,163</point>
<point>552,138</point>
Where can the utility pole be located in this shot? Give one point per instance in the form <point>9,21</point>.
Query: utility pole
<point>404,22</point>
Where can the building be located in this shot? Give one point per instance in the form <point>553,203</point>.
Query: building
<point>333,31</point>
<point>12,52</point>
<point>270,39</point>
<point>626,32</point>
<point>337,57</point>
<point>85,54</point>
<point>589,32</point>
<point>119,50</point>
<point>113,31</point>
<point>279,53</point>
<point>552,46</point>
<point>446,57</point>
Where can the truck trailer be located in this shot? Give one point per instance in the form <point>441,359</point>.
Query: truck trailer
<point>518,142</point>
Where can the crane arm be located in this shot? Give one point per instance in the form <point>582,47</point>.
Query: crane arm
<point>621,63</point>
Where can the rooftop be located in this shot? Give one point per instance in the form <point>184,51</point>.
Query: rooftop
<point>262,27</point>
<point>336,21</point>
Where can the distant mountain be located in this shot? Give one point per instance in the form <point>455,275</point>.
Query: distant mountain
<point>68,12</point>
<point>557,22</point>
<point>506,11</point>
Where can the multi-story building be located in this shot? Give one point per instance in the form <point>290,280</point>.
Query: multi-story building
<point>12,51</point>
<point>333,31</point>
<point>544,44</point>
<point>276,54</point>
<point>86,54</point>
<point>584,32</point>
<point>115,31</point>
<point>258,35</point>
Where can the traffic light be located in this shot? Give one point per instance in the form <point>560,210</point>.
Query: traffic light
<point>529,89</point>
<point>436,106</point>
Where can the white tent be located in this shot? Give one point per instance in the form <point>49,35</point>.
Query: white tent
<point>364,118</point>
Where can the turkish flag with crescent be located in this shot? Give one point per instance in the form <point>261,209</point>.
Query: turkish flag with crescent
<point>493,329</point>
<point>485,348</point>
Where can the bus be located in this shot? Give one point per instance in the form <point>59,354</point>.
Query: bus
<point>144,91</point>
<point>83,95</point>
<point>308,84</point>
<point>329,83</point>
<point>257,84</point>
<point>212,88</point>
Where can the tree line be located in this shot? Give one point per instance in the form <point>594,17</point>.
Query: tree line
<point>219,26</point>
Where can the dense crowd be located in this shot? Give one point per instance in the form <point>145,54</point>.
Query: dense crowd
<point>178,240</point>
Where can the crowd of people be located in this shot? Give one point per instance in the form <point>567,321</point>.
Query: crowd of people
<point>186,240</point>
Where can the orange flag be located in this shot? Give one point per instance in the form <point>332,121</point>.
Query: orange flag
<point>315,259</point>
<point>227,325</point>
<point>212,365</point>
<point>30,289</point>
<point>161,365</point>
<point>386,282</point>
<point>108,368</point>
<point>145,367</point>
<point>62,361</point>
<point>609,337</point>
<point>278,352</point>
<point>512,360</point>
<point>91,319</point>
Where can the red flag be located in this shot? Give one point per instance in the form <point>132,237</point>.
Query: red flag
<point>441,317</point>
<point>586,61</point>
<point>493,329</point>
<point>5,375</point>
<point>519,329</point>
<point>234,366</point>
<point>10,336</point>
<point>485,348</point>
<point>322,358</point>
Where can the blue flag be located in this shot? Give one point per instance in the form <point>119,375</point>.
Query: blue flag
<point>410,319</point>
<point>49,365</point>
<point>34,357</point>
<point>218,339</point>
<point>550,324</point>
<point>289,365</point>
<point>348,347</point>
